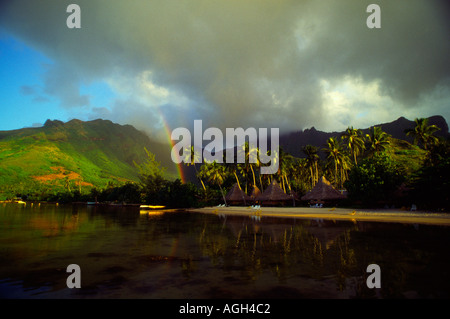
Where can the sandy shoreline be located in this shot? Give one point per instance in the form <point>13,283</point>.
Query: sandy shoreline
<point>382,215</point>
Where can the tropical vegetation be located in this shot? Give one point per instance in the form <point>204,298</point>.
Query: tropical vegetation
<point>373,168</point>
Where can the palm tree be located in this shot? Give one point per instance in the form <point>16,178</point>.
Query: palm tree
<point>312,158</point>
<point>333,151</point>
<point>267,178</point>
<point>203,172</point>
<point>344,168</point>
<point>243,169</point>
<point>216,174</point>
<point>300,173</point>
<point>251,153</point>
<point>423,133</point>
<point>336,154</point>
<point>232,169</point>
<point>191,158</point>
<point>378,139</point>
<point>285,168</point>
<point>354,140</point>
<point>247,167</point>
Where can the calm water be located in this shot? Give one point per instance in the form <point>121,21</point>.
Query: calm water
<point>125,254</point>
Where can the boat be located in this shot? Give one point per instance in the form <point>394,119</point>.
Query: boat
<point>144,207</point>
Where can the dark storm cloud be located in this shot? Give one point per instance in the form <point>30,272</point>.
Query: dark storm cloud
<point>244,63</point>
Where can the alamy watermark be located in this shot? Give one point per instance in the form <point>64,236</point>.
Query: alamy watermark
<point>374,279</point>
<point>74,279</point>
<point>257,151</point>
<point>74,19</point>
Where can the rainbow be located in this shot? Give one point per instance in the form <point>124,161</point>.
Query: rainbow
<point>168,132</point>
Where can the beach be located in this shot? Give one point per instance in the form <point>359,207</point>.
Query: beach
<point>334,213</point>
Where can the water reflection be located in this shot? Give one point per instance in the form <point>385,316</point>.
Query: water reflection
<point>125,253</point>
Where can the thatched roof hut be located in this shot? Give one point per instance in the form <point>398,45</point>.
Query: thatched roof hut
<point>237,196</point>
<point>323,191</point>
<point>274,194</point>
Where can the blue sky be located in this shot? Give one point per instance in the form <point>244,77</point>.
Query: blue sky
<point>291,64</point>
<point>24,102</point>
<point>22,66</point>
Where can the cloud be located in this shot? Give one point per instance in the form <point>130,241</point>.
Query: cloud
<point>27,90</point>
<point>287,64</point>
<point>63,83</point>
<point>35,92</point>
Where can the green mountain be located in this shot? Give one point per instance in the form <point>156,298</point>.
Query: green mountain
<point>294,141</point>
<point>76,155</point>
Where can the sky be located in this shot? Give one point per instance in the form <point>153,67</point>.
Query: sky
<point>161,64</point>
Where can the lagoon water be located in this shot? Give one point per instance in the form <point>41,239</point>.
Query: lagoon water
<point>125,253</point>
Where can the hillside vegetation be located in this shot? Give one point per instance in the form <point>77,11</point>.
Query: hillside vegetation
<point>71,156</point>
<point>371,168</point>
<point>110,163</point>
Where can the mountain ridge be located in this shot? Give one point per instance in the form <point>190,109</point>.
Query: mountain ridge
<point>74,155</point>
<point>77,154</point>
<point>293,142</point>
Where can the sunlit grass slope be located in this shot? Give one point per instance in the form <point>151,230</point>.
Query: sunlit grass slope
<point>73,155</point>
<point>410,157</point>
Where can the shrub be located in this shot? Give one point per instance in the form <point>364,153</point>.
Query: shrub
<point>374,181</point>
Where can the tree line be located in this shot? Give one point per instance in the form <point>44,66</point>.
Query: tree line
<point>361,164</point>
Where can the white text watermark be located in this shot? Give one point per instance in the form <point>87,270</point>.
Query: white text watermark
<point>257,151</point>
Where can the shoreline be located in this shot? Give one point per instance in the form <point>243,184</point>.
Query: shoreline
<point>331,213</point>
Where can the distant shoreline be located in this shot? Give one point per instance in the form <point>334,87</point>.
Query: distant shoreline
<point>349,214</point>
<point>329,213</point>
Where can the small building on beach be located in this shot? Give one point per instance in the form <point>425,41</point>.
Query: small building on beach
<point>236,196</point>
<point>323,193</point>
<point>274,195</point>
